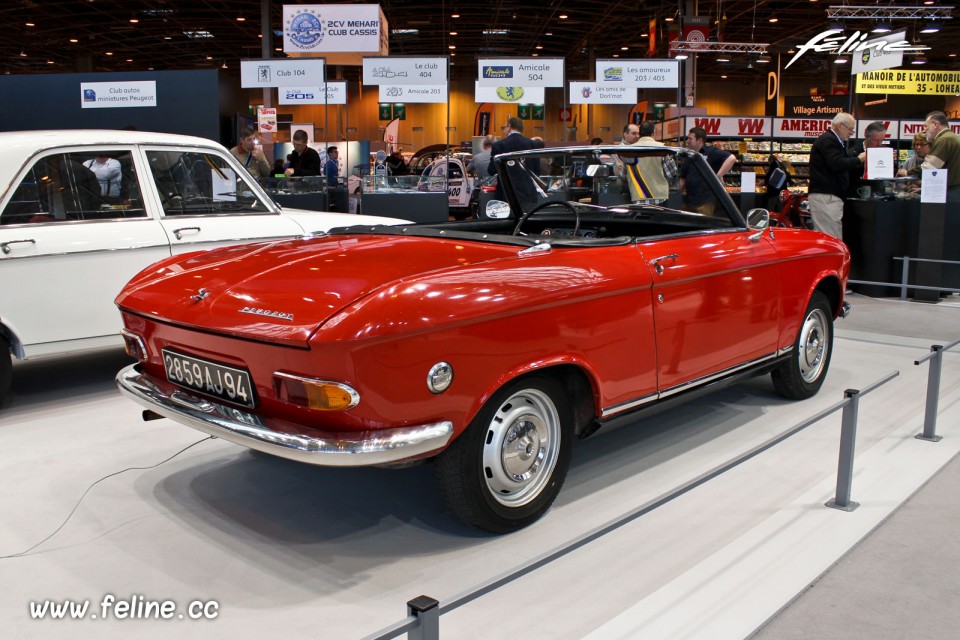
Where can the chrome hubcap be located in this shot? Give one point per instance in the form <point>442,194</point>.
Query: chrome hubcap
<point>521,447</point>
<point>814,338</point>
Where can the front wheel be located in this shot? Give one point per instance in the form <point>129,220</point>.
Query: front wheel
<point>6,369</point>
<point>507,468</point>
<point>803,374</point>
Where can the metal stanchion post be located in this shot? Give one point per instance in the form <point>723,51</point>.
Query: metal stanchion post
<point>933,396</point>
<point>848,437</point>
<point>427,612</point>
<point>904,277</point>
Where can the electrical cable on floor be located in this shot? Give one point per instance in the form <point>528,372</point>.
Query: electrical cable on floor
<point>84,494</point>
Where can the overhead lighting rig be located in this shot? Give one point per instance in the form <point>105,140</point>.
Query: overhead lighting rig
<point>687,46</point>
<point>847,12</point>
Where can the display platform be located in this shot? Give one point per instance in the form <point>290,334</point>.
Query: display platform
<point>279,545</point>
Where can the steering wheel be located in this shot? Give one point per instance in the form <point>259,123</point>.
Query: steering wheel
<point>544,205</point>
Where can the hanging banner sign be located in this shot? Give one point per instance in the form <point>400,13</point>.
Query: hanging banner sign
<point>733,127</point>
<point>111,95</point>
<point>910,128</point>
<point>921,83</point>
<point>331,93</point>
<point>321,28</point>
<point>799,127</point>
<point>533,95</point>
<point>643,74</point>
<point>526,72</point>
<point>397,71</point>
<point>417,94</point>
<point>281,73</point>
<point>593,93</point>
<point>267,119</point>
<point>873,58</point>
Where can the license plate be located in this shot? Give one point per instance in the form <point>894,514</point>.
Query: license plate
<point>209,378</point>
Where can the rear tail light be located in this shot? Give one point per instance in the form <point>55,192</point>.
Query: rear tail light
<point>322,395</point>
<point>135,346</point>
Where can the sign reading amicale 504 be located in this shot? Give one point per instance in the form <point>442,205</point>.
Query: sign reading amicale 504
<point>520,72</point>
<point>934,83</point>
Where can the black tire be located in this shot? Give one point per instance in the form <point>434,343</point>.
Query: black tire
<point>6,369</point>
<point>803,374</point>
<point>489,477</point>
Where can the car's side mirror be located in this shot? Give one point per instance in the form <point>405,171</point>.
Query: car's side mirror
<point>758,220</point>
<point>497,210</point>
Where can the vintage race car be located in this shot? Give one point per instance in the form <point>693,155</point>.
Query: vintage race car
<point>81,212</point>
<point>488,346</point>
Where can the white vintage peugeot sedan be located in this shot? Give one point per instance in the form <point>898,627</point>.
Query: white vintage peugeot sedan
<point>82,211</point>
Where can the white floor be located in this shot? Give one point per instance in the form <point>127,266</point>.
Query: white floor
<point>290,550</point>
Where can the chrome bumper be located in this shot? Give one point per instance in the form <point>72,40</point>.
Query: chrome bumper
<point>365,448</point>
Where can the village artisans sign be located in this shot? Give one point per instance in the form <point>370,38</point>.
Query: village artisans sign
<point>932,83</point>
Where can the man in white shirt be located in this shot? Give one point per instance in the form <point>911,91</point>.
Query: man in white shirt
<point>109,174</point>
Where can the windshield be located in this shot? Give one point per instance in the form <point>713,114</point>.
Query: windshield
<point>614,177</point>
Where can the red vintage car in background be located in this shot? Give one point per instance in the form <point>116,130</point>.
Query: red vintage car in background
<point>488,347</point>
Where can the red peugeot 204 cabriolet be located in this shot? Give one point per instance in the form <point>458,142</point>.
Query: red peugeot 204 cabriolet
<point>488,346</point>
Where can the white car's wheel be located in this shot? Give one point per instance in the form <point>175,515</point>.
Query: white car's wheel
<point>507,468</point>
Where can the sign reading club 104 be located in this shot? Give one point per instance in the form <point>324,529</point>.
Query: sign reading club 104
<point>520,72</point>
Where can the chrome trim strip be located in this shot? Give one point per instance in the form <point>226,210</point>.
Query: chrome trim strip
<point>629,404</point>
<point>236,425</point>
<point>784,350</point>
<point>354,396</point>
<point>632,404</point>
<point>89,252</point>
<point>715,376</point>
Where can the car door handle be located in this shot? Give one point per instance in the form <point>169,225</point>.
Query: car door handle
<point>179,232</point>
<point>656,261</point>
<point>5,246</point>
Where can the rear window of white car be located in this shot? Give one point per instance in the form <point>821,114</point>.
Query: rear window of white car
<point>89,185</point>
<point>192,183</point>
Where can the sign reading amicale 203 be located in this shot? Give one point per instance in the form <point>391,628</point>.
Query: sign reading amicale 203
<point>928,82</point>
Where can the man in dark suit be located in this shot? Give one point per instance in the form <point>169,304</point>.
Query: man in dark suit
<point>830,168</point>
<point>514,140</point>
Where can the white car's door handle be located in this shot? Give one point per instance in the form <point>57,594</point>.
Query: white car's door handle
<point>656,261</point>
<point>5,246</point>
<point>179,232</point>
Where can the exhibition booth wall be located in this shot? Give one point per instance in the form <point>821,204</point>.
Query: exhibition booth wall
<point>200,103</point>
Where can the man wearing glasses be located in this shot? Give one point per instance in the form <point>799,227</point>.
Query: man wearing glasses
<point>830,168</point>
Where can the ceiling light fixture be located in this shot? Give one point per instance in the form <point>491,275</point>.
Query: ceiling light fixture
<point>930,27</point>
<point>774,19</point>
<point>840,61</point>
<point>134,20</point>
<point>882,26</point>
<point>681,56</point>
<point>23,54</point>
<point>723,58</point>
<point>453,33</point>
<point>624,48</point>
<point>919,60</point>
<point>241,19</point>
<point>563,16</point>
<point>30,24</point>
<point>454,15</point>
<point>74,40</point>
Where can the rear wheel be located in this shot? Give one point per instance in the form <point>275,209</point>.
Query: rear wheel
<point>802,375</point>
<point>507,468</point>
<point>6,368</point>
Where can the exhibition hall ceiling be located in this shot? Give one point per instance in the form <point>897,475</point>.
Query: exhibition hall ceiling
<point>137,35</point>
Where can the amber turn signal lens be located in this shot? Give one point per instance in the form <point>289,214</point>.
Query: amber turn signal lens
<point>134,346</point>
<point>322,395</point>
